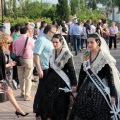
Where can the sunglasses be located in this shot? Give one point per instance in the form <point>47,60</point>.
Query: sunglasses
<point>9,43</point>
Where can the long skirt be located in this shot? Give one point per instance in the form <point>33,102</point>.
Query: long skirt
<point>54,103</point>
<point>90,104</point>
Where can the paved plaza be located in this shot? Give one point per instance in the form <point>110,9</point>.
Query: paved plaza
<point>7,111</point>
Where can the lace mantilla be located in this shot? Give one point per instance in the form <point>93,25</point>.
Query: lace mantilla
<point>62,59</point>
<point>99,63</point>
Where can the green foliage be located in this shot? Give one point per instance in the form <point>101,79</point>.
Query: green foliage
<point>21,11</point>
<point>94,5</point>
<point>77,5</point>
<point>73,6</point>
<point>117,2</point>
<point>62,10</point>
<point>86,11</point>
<point>90,14</point>
<point>22,21</point>
<point>33,10</point>
<point>49,12</point>
<point>5,9</point>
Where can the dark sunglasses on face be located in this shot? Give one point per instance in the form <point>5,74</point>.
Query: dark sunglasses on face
<point>9,43</point>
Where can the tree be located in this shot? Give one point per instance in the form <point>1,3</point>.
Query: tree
<point>117,2</point>
<point>49,12</point>
<point>5,9</point>
<point>15,10</point>
<point>94,5</point>
<point>33,10</point>
<point>9,4</point>
<point>77,5</point>
<point>73,6</point>
<point>62,10</point>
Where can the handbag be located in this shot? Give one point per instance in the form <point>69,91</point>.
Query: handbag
<point>19,59</point>
<point>3,86</point>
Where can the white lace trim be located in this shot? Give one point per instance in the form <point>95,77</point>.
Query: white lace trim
<point>99,63</point>
<point>62,59</point>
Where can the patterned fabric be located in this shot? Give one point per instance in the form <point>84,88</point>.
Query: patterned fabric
<point>3,86</point>
<point>62,59</point>
<point>90,104</point>
<point>54,103</point>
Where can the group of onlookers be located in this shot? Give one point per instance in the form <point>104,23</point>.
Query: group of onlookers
<point>76,33</point>
<point>51,67</point>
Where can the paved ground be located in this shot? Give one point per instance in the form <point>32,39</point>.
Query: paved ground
<point>7,110</point>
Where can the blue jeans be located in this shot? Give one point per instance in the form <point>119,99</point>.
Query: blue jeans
<point>76,43</point>
<point>82,42</point>
<point>39,89</point>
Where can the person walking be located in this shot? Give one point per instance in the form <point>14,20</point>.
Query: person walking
<point>25,71</point>
<point>5,41</point>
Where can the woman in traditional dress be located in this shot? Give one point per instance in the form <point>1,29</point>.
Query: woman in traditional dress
<point>98,87</point>
<point>5,41</point>
<point>60,83</point>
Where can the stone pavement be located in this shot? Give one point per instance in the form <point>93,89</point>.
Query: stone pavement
<point>7,111</point>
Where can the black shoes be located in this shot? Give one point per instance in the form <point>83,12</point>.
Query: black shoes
<point>19,114</point>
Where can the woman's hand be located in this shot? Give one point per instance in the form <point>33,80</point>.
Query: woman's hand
<point>11,64</point>
<point>112,101</point>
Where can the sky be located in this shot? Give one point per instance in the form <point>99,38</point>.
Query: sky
<point>51,1</point>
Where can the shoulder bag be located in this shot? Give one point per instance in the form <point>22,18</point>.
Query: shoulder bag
<point>19,59</point>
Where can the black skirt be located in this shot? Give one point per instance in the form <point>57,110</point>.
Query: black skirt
<point>90,104</point>
<point>54,103</point>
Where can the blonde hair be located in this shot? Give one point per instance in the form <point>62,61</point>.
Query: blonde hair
<point>31,29</point>
<point>4,39</point>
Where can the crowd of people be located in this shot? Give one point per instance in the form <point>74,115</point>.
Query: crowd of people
<point>76,33</point>
<point>49,52</point>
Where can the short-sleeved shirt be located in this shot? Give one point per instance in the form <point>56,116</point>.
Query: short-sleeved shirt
<point>43,46</point>
<point>15,35</point>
